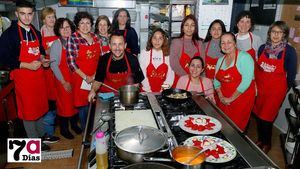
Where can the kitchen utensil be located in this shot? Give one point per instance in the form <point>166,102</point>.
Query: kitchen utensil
<point>129,94</point>
<point>113,89</point>
<point>148,165</point>
<point>202,151</point>
<point>169,92</point>
<point>228,151</point>
<point>134,143</point>
<point>182,154</point>
<point>200,124</point>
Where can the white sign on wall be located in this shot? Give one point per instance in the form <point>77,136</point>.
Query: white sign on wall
<point>209,10</point>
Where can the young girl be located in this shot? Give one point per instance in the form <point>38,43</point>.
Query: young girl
<point>102,30</point>
<point>154,62</point>
<point>194,81</point>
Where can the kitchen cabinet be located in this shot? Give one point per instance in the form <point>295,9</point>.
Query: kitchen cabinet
<point>168,15</point>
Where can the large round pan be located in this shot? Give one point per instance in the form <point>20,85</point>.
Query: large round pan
<point>170,95</point>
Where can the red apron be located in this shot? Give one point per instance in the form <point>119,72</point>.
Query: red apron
<point>271,87</point>
<point>156,76</point>
<point>252,50</point>
<point>210,64</point>
<point>30,86</point>
<point>201,84</point>
<point>240,109</point>
<point>116,80</point>
<point>64,101</point>
<point>50,79</point>
<point>87,60</point>
<point>184,61</point>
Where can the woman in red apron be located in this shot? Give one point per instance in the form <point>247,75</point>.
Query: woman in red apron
<point>185,47</point>
<point>48,37</point>
<point>234,82</point>
<point>63,77</point>
<point>155,64</point>
<point>194,81</point>
<point>83,53</point>
<point>102,30</point>
<point>276,73</point>
<point>212,50</point>
<point>246,40</point>
<point>121,23</point>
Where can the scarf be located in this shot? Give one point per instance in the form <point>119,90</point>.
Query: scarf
<point>273,51</point>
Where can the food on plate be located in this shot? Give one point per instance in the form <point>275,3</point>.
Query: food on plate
<point>178,96</point>
<point>215,151</point>
<point>199,123</point>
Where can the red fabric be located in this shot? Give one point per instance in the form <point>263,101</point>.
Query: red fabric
<point>271,87</point>
<point>87,61</point>
<point>116,80</point>
<point>185,59</point>
<point>64,100</point>
<point>188,84</point>
<point>240,109</point>
<point>30,86</point>
<point>156,76</point>
<point>50,78</point>
<point>210,64</point>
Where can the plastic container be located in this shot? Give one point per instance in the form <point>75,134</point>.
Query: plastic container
<point>101,151</point>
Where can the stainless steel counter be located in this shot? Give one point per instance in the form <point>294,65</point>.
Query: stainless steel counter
<point>245,147</point>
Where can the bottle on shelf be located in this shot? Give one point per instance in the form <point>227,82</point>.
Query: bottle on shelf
<point>188,10</point>
<point>101,151</point>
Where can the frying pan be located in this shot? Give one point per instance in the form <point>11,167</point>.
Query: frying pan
<point>168,92</point>
<point>148,165</point>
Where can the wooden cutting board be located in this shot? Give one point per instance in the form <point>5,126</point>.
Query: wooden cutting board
<point>129,118</point>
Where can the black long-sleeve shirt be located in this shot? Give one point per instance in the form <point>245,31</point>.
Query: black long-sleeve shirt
<point>290,62</point>
<point>119,66</point>
<point>10,45</point>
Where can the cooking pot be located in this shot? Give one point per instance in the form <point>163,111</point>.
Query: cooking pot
<point>129,95</point>
<point>135,143</point>
<point>167,94</point>
<point>182,154</point>
<point>148,165</point>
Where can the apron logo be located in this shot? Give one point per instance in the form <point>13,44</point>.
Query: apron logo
<point>34,50</point>
<point>267,67</point>
<point>90,54</point>
<point>158,75</point>
<point>210,67</point>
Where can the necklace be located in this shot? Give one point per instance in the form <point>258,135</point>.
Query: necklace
<point>117,58</point>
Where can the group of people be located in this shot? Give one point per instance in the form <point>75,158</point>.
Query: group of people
<point>52,70</point>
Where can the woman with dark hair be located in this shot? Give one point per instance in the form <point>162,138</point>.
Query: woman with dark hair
<point>83,52</point>
<point>194,81</point>
<point>185,47</point>
<point>211,50</point>
<point>277,67</point>
<point>102,30</point>
<point>121,24</point>
<point>63,29</point>
<point>246,40</point>
<point>234,82</point>
<point>155,64</point>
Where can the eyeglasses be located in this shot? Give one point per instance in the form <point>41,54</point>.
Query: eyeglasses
<point>65,28</point>
<point>277,32</point>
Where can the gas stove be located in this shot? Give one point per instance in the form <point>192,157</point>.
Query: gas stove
<point>167,116</point>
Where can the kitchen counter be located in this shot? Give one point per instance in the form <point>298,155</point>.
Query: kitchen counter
<point>246,149</point>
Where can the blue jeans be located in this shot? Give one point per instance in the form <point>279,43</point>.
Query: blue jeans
<point>49,122</point>
<point>82,111</point>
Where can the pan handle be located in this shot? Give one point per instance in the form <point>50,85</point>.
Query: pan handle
<point>159,159</point>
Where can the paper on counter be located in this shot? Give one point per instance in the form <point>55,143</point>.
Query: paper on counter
<point>85,85</point>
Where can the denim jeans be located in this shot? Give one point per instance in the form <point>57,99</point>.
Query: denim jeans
<point>82,111</point>
<point>49,122</point>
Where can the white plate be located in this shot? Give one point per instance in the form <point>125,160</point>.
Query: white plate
<point>200,120</point>
<point>229,150</point>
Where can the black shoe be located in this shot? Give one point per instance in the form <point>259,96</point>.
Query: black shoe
<point>76,129</point>
<point>45,147</point>
<point>50,139</point>
<point>67,134</point>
